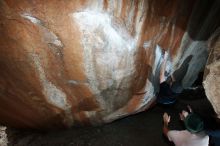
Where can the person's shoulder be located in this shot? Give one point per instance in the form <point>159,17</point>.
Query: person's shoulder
<point>177,132</point>
<point>203,135</point>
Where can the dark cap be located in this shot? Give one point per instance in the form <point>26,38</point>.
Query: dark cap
<point>194,123</point>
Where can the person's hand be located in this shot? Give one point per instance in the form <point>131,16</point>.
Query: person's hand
<point>189,108</point>
<point>181,116</point>
<point>166,118</point>
<point>184,114</point>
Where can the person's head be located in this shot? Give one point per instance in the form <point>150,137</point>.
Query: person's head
<point>194,123</point>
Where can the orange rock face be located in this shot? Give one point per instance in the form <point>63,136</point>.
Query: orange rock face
<point>65,63</point>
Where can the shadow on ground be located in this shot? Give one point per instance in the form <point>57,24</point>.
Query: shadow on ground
<point>143,129</point>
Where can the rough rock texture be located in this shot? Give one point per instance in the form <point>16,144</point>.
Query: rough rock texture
<point>212,73</point>
<point>3,136</point>
<point>89,62</point>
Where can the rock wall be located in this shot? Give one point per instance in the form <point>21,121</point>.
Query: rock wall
<point>212,73</point>
<point>65,63</point>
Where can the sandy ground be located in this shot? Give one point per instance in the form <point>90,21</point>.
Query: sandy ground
<point>143,129</point>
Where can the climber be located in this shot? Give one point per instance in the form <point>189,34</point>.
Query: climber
<point>169,89</point>
<point>192,136</point>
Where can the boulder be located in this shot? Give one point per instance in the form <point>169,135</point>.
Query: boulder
<point>212,73</point>
<point>89,62</point>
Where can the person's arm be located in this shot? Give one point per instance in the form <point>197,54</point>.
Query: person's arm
<point>165,129</point>
<point>183,115</point>
<point>189,108</point>
<point>166,120</point>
